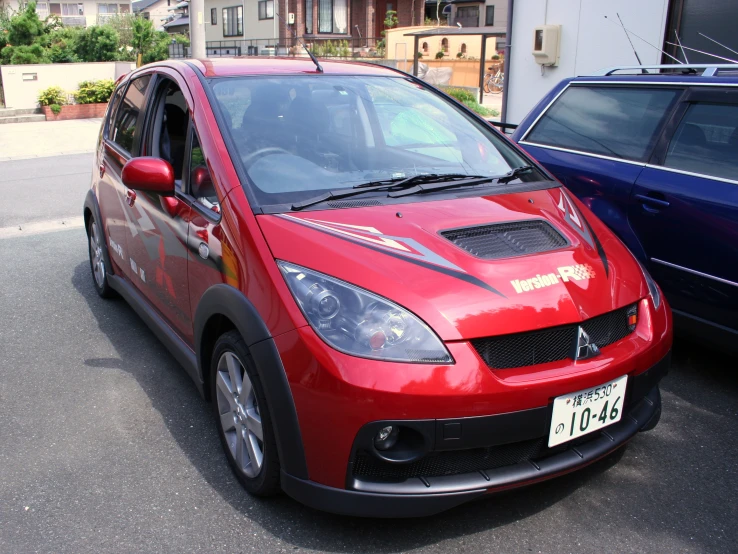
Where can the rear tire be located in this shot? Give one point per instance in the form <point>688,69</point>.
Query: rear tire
<point>242,416</point>
<point>97,260</point>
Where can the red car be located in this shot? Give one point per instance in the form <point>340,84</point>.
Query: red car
<point>392,308</point>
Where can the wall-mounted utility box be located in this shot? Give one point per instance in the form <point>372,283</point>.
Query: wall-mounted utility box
<point>291,18</point>
<point>546,41</point>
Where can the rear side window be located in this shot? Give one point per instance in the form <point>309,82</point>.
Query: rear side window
<point>706,141</point>
<point>127,113</point>
<point>616,122</point>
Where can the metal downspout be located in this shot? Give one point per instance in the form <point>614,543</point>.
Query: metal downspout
<point>506,65</point>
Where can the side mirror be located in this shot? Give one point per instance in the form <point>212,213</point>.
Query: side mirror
<point>149,174</point>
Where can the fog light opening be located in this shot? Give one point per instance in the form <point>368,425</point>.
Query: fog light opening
<point>386,438</point>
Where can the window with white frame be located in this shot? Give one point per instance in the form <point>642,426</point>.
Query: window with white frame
<point>266,9</point>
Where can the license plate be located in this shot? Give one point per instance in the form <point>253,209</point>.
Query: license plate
<point>585,411</point>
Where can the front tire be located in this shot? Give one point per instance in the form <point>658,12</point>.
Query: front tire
<point>97,260</point>
<point>242,416</point>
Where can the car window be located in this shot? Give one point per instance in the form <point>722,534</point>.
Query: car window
<point>296,136</point>
<point>201,184</point>
<point>706,141</point>
<point>127,113</point>
<point>611,121</point>
<point>169,124</point>
<point>111,110</point>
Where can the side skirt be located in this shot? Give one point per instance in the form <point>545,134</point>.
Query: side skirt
<point>176,346</point>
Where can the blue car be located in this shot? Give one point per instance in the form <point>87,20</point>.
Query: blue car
<point>653,151</point>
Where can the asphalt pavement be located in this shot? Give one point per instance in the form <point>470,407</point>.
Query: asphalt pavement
<point>105,445</point>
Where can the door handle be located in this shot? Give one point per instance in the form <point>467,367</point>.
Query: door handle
<point>653,201</point>
<point>130,197</point>
<point>102,170</point>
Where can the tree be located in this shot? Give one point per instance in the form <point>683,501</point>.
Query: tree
<point>143,37</point>
<point>97,44</point>
<point>25,27</point>
<point>160,48</point>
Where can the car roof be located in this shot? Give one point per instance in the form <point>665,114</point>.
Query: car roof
<point>253,65</point>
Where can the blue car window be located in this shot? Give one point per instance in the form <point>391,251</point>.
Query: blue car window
<point>706,141</point>
<point>611,121</point>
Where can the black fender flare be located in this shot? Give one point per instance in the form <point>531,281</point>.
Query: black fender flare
<point>225,300</point>
<point>92,205</point>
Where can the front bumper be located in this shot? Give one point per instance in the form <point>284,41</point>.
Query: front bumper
<point>416,497</point>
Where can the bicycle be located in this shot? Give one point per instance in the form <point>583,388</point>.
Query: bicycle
<point>493,83</point>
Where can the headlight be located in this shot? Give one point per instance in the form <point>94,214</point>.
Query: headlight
<point>360,323</point>
<point>652,288</point>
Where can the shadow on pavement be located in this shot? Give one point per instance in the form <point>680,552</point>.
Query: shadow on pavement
<point>636,483</point>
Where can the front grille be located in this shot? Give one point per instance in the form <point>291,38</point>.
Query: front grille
<point>454,462</point>
<point>506,240</point>
<point>552,344</point>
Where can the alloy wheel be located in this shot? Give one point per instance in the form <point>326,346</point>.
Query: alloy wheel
<point>96,256</point>
<point>239,414</point>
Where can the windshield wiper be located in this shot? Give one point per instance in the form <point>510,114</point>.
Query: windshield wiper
<point>471,181</point>
<point>387,184</point>
<point>513,173</point>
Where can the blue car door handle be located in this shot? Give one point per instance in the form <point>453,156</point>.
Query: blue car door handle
<point>651,202</point>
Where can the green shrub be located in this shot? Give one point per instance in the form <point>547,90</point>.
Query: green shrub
<point>62,45</point>
<point>439,55</point>
<point>468,98</point>
<point>27,54</point>
<point>459,55</point>
<point>97,44</point>
<point>419,55</point>
<point>25,27</point>
<point>52,95</point>
<point>462,95</point>
<point>56,108</point>
<point>94,92</point>
<point>496,57</point>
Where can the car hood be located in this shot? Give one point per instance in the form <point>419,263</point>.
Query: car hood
<point>399,252</point>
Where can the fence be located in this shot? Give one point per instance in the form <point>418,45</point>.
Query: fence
<point>351,47</point>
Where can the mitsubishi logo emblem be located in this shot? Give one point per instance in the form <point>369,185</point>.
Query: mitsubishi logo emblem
<point>584,348</point>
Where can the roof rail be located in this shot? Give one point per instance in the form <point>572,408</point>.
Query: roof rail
<point>709,70</point>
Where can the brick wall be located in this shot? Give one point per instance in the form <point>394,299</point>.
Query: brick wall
<point>76,111</point>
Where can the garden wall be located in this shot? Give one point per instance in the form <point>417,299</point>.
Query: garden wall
<point>22,83</point>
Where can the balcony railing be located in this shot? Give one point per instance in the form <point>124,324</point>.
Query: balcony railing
<point>103,18</point>
<point>74,20</point>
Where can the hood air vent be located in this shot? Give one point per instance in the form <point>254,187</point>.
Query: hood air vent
<point>505,240</point>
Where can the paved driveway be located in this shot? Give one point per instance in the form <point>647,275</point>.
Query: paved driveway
<point>20,141</point>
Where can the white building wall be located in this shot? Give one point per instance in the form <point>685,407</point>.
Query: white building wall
<point>588,42</point>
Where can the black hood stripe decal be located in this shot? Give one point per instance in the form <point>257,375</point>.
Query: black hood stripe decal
<point>598,244</point>
<point>446,271</point>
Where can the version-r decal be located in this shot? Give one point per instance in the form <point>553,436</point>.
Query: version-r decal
<point>403,248</point>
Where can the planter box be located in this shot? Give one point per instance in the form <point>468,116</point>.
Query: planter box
<point>75,111</point>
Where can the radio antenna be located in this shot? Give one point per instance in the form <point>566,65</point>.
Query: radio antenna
<point>630,41</point>
<point>301,43</point>
<point>680,46</point>
<point>718,43</point>
<point>644,40</point>
<point>705,53</point>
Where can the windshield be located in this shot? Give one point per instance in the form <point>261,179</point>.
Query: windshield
<point>299,136</point>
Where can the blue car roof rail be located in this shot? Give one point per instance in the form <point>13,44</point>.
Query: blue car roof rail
<point>708,70</point>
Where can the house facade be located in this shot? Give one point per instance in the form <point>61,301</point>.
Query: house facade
<point>280,20</point>
<point>157,11</point>
<point>78,14</point>
<point>484,13</point>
